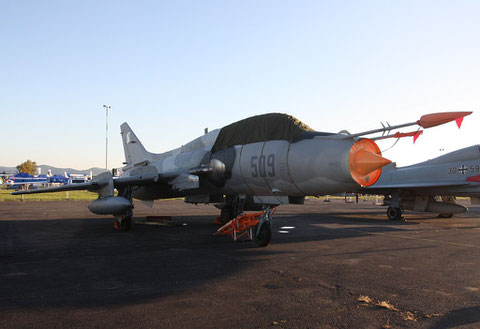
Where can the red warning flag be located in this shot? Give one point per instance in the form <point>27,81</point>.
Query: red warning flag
<point>459,122</point>
<point>417,134</point>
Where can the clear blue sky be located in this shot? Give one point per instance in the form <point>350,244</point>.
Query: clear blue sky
<point>172,68</point>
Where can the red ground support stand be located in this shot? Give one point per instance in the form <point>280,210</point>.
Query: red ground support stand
<point>240,226</point>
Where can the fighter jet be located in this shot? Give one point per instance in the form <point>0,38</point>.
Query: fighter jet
<point>415,187</point>
<point>259,162</point>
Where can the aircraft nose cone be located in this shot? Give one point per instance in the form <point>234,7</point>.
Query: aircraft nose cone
<point>366,162</point>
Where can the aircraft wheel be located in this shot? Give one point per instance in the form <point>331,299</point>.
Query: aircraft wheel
<point>262,239</point>
<point>226,215</point>
<point>125,223</point>
<point>394,213</point>
<point>445,215</point>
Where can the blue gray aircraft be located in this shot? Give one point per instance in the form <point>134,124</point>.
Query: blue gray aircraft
<point>416,187</point>
<point>258,162</point>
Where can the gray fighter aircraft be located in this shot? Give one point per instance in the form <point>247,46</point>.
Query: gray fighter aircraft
<point>258,162</point>
<point>415,187</point>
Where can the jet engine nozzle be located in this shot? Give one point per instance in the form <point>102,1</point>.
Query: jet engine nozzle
<point>365,162</point>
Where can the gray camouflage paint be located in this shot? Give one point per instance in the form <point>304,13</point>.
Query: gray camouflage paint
<point>314,166</point>
<point>444,175</point>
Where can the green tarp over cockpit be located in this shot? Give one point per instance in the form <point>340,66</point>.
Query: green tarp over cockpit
<point>260,128</point>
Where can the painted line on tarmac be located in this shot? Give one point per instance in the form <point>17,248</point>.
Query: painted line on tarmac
<point>423,239</point>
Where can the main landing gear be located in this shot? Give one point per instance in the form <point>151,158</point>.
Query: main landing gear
<point>394,213</point>
<point>123,222</point>
<point>263,232</point>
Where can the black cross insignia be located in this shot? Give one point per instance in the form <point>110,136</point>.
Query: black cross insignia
<point>462,169</point>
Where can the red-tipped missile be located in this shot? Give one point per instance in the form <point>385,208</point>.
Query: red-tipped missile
<point>436,119</point>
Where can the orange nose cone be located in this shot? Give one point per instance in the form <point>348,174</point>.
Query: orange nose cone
<point>366,162</point>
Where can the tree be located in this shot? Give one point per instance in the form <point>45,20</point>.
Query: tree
<point>28,166</point>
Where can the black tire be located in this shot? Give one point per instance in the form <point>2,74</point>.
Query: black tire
<point>125,223</point>
<point>262,239</point>
<point>445,215</point>
<point>394,213</point>
<point>226,215</point>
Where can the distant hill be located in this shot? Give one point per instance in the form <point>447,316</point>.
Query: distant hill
<point>56,171</point>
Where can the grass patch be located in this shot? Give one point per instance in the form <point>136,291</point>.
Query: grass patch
<point>367,301</point>
<point>5,195</point>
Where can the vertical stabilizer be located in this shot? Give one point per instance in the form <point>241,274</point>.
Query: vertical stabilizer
<point>134,150</point>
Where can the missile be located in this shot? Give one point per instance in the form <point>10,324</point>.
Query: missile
<point>437,119</point>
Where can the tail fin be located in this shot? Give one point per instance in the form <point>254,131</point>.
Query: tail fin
<point>134,150</point>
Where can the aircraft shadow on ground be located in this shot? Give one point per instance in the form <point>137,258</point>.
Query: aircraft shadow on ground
<point>84,263</point>
<point>460,317</point>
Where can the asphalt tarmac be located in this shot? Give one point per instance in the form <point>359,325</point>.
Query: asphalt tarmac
<point>334,265</point>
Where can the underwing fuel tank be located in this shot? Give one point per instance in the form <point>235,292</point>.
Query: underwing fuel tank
<point>114,205</point>
<point>436,207</point>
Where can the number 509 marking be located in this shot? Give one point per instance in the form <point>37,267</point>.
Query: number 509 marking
<point>261,164</point>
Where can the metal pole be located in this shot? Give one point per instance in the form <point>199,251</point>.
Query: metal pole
<point>107,107</point>
<point>106,144</point>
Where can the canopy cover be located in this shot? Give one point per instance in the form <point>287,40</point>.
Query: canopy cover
<point>260,128</point>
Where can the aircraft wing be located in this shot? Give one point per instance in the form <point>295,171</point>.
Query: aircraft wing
<point>28,183</point>
<point>98,183</point>
<point>90,186</point>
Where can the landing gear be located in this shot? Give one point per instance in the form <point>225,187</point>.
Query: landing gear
<point>263,230</point>
<point>232,208</point>
<point>123,222</point>
<point>445,215</point>
<point>255,226</point>
<point>394,213</point>
<point>226,215</point>
<point>263,234</point>
<point>447,199</point>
